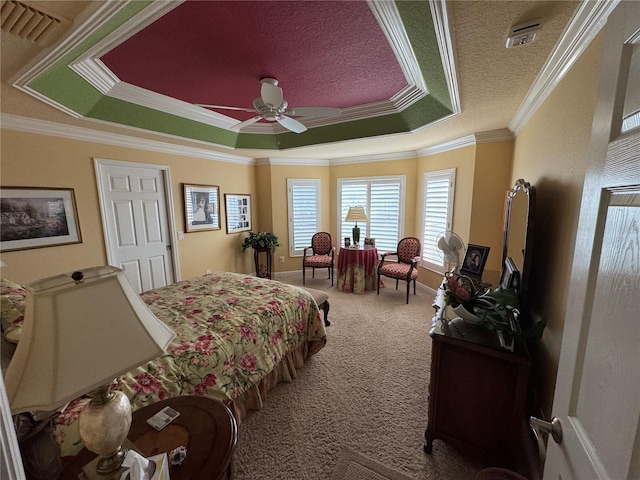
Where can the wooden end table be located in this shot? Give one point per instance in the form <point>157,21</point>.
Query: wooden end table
<point>206,427</point>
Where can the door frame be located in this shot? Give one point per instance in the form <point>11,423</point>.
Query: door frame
<point>605,134</point>
<point>166,176</point>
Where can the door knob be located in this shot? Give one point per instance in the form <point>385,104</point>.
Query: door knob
<point>554,428</point>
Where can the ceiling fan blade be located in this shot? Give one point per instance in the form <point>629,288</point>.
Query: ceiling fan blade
<point>315,111</point>
<point>221,107</point>
<point>291,124</point>
<point>271,94</point>
<point>246,123</point>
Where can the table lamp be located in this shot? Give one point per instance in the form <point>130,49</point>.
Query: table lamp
<point>353,215</point>
<point>82,330</point>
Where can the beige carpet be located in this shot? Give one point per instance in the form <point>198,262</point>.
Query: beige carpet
<point>353,466</point>
<point>366,390</point>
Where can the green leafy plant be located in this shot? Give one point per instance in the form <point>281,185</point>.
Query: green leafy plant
<point>260,240</point>
<point>497,309</point>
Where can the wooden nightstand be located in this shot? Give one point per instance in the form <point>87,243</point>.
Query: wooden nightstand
<point>205,426</point>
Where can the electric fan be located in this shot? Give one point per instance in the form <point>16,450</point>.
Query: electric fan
<point>450,246</point>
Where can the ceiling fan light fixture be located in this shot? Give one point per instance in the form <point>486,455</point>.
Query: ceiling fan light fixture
<point>272,107</point>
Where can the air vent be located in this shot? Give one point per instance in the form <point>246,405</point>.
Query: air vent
<point>25,21</point>
<point>524,33</point>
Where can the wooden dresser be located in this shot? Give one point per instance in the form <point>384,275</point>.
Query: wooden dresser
<point>477,392</point>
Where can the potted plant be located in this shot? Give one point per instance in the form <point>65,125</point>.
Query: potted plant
<point>495,309</point>
<point>260,240</point>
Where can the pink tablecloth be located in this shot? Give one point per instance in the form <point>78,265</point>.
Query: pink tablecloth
<point>357,269</point>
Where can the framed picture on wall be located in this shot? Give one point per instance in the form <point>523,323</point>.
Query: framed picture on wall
<point>34,217</point>
<point>474,260</point>
<point>238,211</point>
<point>201,207</point>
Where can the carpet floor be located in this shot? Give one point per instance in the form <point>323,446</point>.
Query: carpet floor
<point>353,466</point>
<point>366,390</point>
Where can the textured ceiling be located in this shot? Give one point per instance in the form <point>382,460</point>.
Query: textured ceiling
<point>348,63</point>
<point>278,39</point>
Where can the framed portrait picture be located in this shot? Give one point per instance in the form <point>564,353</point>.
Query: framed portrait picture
<point>238,210</point>
<point>510,275</point>
<point>201,207</point>
<point>34,217</point>
<point>474,260</point>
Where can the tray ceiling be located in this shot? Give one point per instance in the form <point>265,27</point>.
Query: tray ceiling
<point>145,65</point>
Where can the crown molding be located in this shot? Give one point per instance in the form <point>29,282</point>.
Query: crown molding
<point>490,136</point>
<point>381,157</point>
<point>91,69</point>
<point>466,141</point>
<point>440,15</point>
<point>585,24</point>
<point>391,23</point>
<point>44,127</point>
<point>298,162</point>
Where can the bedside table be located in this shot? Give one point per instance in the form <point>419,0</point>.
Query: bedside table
<point>205,426</point>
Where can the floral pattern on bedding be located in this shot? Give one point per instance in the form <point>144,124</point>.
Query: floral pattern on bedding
<point>232,330</point>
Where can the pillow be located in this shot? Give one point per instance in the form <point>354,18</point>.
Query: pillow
<point>13,297</point>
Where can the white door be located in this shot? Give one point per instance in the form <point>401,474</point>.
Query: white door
<point>597,394</point>
<point>135,215</point>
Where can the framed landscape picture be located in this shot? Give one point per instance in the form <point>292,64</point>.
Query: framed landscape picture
<point>238,210</point>
<point>201,207</point>
<point>34,217</point>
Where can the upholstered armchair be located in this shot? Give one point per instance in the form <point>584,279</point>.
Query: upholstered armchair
<point>406,268</point>
<point>319,255</point>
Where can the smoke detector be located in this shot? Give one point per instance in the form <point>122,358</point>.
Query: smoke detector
<point>524,33</point>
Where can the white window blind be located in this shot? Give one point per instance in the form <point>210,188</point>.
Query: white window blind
<point>304,212</point>
<point>382,199</point>
<point>438,212</point>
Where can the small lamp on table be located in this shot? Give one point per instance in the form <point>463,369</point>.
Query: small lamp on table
<point>356,214</point>
<point>82,330</point>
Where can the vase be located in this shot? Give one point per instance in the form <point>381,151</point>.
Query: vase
<point>466,315</point>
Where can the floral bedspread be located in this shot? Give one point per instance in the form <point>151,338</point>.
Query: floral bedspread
<point>232,330</point>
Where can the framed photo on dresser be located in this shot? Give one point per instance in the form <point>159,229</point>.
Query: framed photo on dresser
<point>474,260</point>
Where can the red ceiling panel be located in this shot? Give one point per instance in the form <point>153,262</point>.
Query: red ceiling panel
<point>322,52</point>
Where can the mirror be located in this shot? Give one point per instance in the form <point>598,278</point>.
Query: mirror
<point>518,234</point>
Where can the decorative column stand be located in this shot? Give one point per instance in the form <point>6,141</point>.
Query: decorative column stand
<point>264,270</point>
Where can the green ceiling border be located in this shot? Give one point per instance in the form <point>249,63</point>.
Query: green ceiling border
<point>62,84</point>
<point>418,23</point>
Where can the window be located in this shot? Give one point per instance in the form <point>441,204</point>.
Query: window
<point>382,199</point>
<point>304,212</point>
<point>438,213</point>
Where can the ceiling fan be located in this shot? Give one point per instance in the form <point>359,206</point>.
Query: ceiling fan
<point>272,106</point>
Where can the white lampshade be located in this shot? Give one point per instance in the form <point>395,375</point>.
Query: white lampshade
<point>356,214</point>
<point>79,336</point>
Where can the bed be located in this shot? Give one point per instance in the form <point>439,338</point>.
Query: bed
<point>237,336</point>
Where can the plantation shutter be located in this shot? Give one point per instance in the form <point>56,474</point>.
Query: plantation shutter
<point>382,199</point>
<point>304,213</point>
<point>438,212</point>
<point>353,193</point>
<point>384,214</point>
